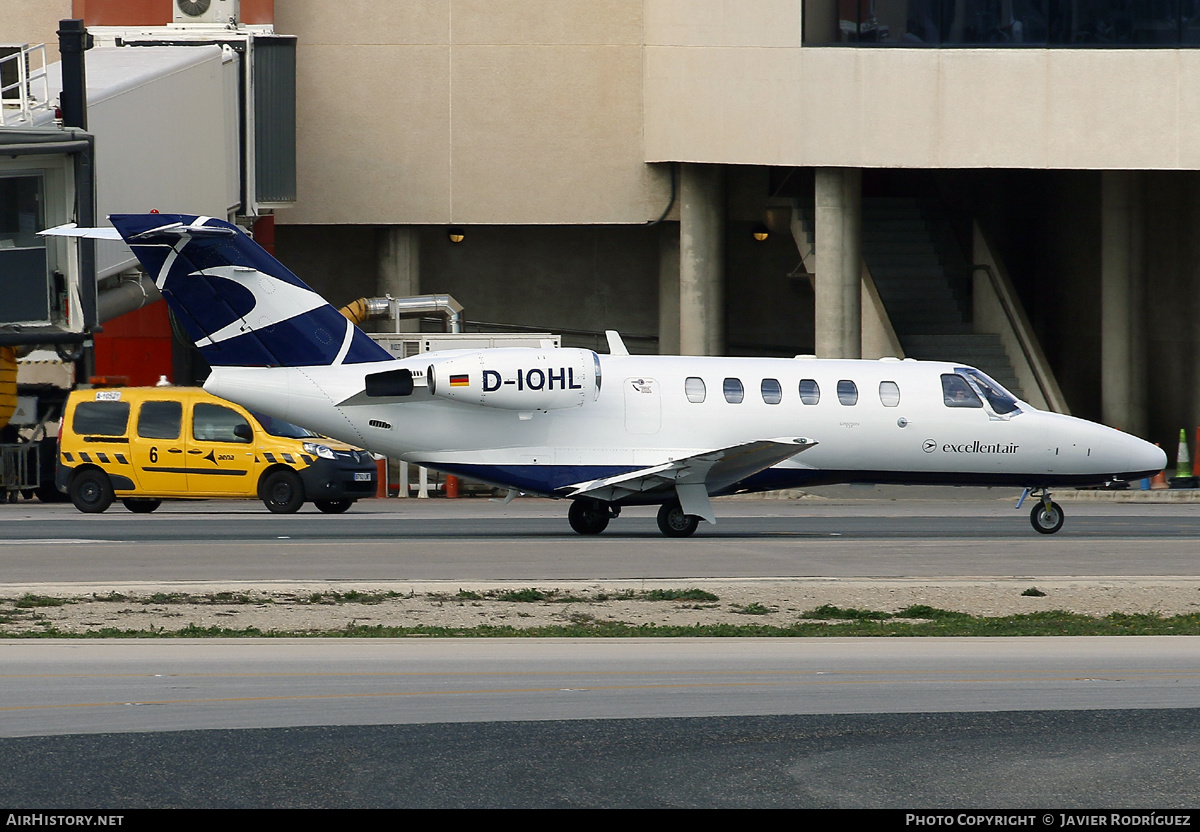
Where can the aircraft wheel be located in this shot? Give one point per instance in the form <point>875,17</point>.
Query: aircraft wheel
<point>333,506</point>
<point>91,491</point>
<point>141,506</point>
<point>282,492</point>
<point>1047,519</point>
<point>588,516</point>
<point>674,523</point>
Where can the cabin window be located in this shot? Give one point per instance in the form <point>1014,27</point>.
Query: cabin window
<point>160,420</point>
<point>694,388</point>
<point>847,392</point>
<point>889,393</point>
<point>810,391</point>
<point>733,390</point>
<point>772,392</point>
<point>957,393</point>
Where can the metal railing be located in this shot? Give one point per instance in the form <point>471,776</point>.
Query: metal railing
<point>16,474</point>
<point>19,100</point>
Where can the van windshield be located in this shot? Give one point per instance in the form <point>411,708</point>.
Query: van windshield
<point>278,427</point>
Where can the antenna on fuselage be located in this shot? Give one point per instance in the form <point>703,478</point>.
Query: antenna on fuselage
<point>615,345</point>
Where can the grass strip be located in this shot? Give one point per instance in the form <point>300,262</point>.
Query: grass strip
<point>931,622</point>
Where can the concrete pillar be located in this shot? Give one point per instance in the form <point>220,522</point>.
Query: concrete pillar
<point>838,277</point>
<point>1122,391</point>
<point>398,269</point>
<point>668,289</point>
<point>701,260</point>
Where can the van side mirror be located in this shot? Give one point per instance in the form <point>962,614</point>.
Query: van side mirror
<point>243,431</point>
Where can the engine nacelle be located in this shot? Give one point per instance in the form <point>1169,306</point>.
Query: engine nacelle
<point>518,378</point>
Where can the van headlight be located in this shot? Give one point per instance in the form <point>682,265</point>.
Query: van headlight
<point>319,450</point>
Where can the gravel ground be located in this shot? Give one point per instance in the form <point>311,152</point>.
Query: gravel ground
<point>313,607</point>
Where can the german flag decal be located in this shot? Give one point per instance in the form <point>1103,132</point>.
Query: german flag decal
<point>460,381</point>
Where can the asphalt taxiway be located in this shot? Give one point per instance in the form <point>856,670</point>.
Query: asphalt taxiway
<point>908,723</point>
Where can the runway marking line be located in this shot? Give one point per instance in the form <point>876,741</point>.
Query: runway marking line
<point>554,689</point>
<point>1102,675</point>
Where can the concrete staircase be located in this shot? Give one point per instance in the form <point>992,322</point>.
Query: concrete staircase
<point>923,281</point>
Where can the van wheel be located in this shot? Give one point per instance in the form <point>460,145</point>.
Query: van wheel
<point>141,506</point>
<point>91,491</point>
<point>333,506</point>
<point>282,492</point>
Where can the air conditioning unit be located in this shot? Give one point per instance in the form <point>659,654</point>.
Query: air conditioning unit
<point>213,12</point>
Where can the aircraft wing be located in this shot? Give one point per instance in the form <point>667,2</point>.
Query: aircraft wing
<point>695,477</point>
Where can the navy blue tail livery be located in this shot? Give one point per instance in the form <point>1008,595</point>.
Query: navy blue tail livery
<point>239,304</point>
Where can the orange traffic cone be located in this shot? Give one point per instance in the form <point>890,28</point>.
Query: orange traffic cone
<point>1196,461</point>
<point>1159,480</point>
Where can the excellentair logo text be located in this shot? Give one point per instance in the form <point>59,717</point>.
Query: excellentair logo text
<point>978,447</point>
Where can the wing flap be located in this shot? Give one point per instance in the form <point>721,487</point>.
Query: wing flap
<point>711,470</point>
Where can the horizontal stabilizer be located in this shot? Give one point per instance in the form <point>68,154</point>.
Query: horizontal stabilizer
<point>73,230</point>
<point>714,470</point>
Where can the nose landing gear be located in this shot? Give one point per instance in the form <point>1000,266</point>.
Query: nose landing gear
<point>1047,516</point>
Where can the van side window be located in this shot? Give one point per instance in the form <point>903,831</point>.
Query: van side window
<point>160,420</point>
<point>694,388</point>
<point>957,393</point>
<point>100,418</point>
<point>772,392</point>
<point>889,393</point>
<point>810,392</point>
<point>734,393</point>
<point>847,392</point>
<point>214,423</point>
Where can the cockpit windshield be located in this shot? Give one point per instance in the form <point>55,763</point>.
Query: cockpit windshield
<point>278,427</point>
<point>999,399</point>
<point>957,392</point>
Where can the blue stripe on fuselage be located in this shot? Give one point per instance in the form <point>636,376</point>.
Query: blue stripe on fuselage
<point>546,479</point>
<point>542,479</point>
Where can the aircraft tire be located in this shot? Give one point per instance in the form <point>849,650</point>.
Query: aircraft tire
<point>141,506</point>
<point>672,522</point>
<point>1047,519</point>
<point>91,491</point>
<point>282,492</point>
<point>333,506</point>
<point>588,516</point>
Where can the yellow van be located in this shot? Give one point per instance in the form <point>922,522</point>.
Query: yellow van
<point>146,444</point>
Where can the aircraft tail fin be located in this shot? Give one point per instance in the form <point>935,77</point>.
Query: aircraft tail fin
<point>240,305</point>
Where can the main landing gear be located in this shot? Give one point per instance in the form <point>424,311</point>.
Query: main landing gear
<point>674,523</point>
<point>588,516</point>
<point>591,516</point>
<point>1047,516</point>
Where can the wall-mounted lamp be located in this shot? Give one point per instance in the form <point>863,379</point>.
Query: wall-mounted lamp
<point>760,232</point>
<point>455,235</point>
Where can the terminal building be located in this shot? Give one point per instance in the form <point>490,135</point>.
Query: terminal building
<point>1008,183</point>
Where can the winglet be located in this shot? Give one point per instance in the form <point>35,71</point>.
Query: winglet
<point>615,345</point>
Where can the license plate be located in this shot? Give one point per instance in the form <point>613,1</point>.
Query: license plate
<point>364,477</point>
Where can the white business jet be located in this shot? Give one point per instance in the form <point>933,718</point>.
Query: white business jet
<point>607,431</point>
